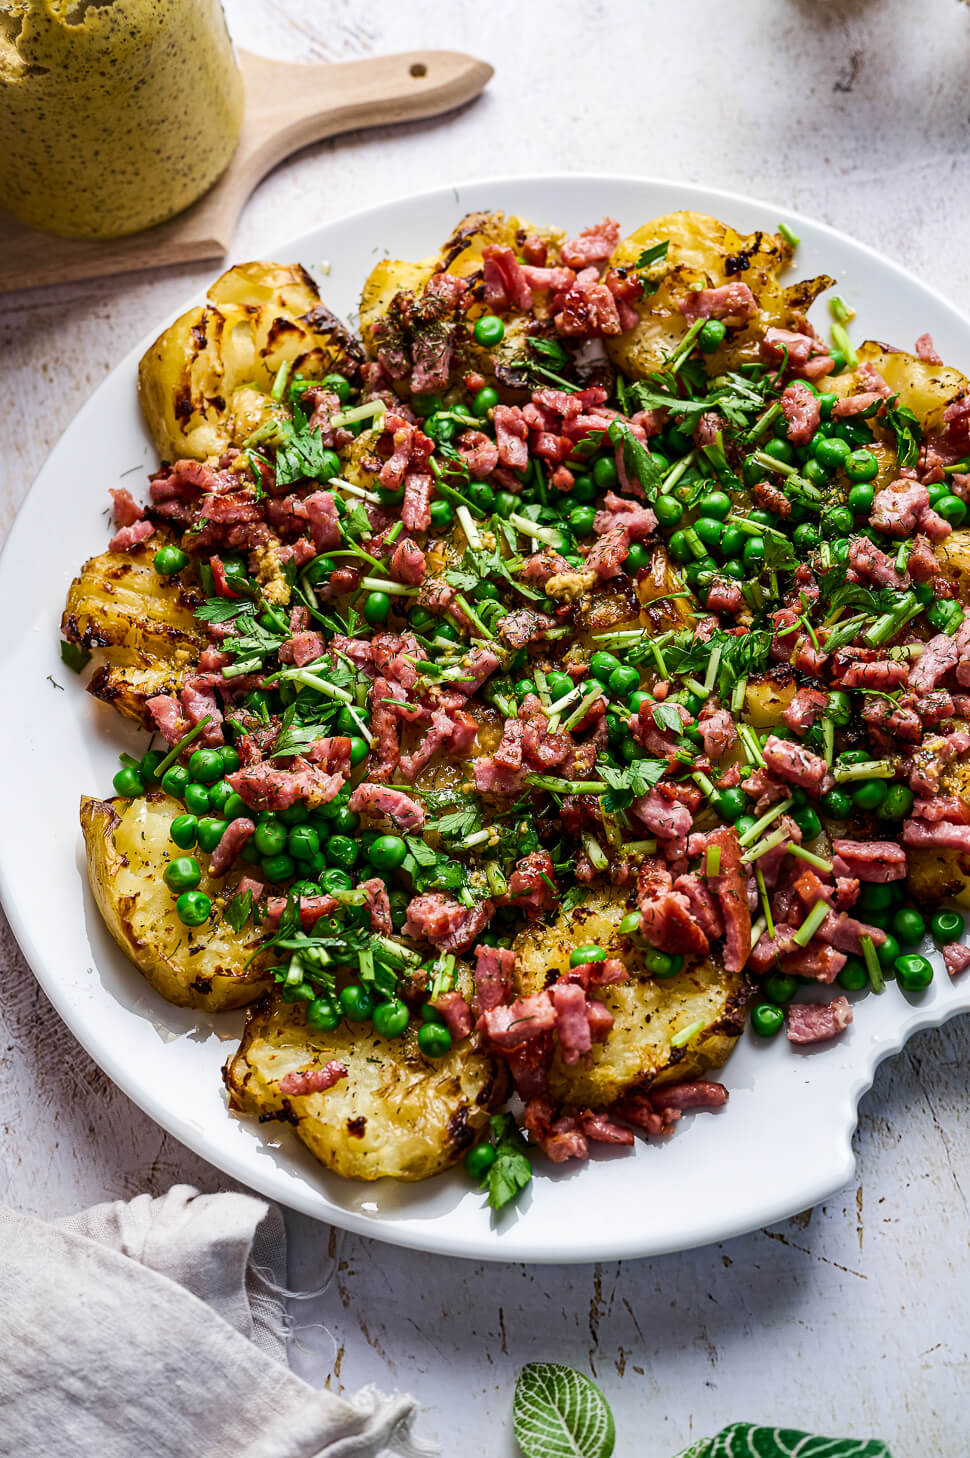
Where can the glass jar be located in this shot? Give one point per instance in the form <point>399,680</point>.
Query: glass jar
<point>114,115</point>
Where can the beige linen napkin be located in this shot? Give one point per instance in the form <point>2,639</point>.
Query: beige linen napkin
<point>144,1330</point>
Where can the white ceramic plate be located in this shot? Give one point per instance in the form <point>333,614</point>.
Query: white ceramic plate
<point>784,1140</point>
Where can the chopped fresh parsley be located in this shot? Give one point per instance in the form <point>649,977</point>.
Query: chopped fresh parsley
<point>512,1168</point>
<point>74,657</point>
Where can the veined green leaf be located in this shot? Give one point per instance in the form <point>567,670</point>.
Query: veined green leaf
<point>747,1440</point>
<point>559,1413</point>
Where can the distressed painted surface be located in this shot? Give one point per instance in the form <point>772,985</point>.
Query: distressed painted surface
<point>854,1317</point>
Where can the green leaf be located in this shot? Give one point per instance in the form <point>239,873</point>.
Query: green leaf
<point>73,657</point>
<point>422,853</point>
<point>239,910</point>
<point>667,718</point>
<point>638,463</point>
<point>221,610</point>
<point>560,1413</point>
<point>747,1440</point>
<point>908,432</point>
<point>512,1169</point>
<point>303,456</point>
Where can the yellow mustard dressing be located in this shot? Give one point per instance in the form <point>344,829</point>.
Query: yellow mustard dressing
<point>114,114</point>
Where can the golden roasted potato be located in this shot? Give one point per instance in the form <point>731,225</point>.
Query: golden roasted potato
<point>397,1113</point>
<point>647,1012</point>
<point>128,844</point>
<point>766,699</point>
<point>257,316</point>
<point>936,873</point>
<point>142,623</point>
<point>704,253</point>
<point>922,387</point>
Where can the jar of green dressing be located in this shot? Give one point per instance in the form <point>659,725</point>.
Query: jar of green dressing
<point>114,114</point>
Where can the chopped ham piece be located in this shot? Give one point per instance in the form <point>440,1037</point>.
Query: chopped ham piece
<point>846,934</point>
<point>321,510</point>
<point>703,904</point>
<point>124,508</point>
<point>445,923</point>
<point>856,404</point>
<point>795,764</point>
<point>802,412</point>
<point>312,1080</point>
<point>508,1025</point>
<point>728,301</point>
<point>587,308</point>
<point>805,355</point>
<point>592,245</point>
<point>805,708</point>
<point>667,920</point>
<point>601,1129</point>
<point>378,905</point>
<point>871,860</point>
<point>494,969</point>
<point>874,565</point>
<point>693,1095</point>
<point>926,349</point>
<point>607,555</point>
<point>479,452</point>
<point>511,436</point>
<point>572,1024</point>
<point>639,521</point>
<point>234,838</point>
<point>505,283</point>
<point>455,1014</point>
<point>524,626</point>
<point>416,508</point>
<point>940,654</point>
<point>942,833</point>
<point>811,1022</point>
<point>718,731</point>
<point>956,958</point>
<point>902,507</point>
<point>127,537</point>
<point>373,799</point>
<point>302,648</point>
<point>265,787</point>
<point>407,563</point>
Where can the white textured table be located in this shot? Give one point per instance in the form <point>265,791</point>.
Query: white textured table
<point>854,1317</point>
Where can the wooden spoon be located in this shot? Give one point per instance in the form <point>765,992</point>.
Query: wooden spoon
<point>288,106</point>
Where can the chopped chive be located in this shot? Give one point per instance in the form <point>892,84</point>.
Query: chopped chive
<point>176,749</point>
<point>359,412</point>
<point>788,235</point>
<point>770,842</point>
<point>713,664</point>
<point>676,471</point>
<point>819,862</point>
<point>473,617</point>
<point>384,584</point>
<point>870,769</point>
<point>752,751</point>
<point>712,864</point>
<point>281,381</point>
<point>685,1034</point>
<point>759,877</point>
<point>583,708</point>
<point>701,780</point>
<point>840,310</point>
<point>567,787</point>
<point>763,422</point>
<point>353,489</point>
<point>841,338</point>
<point>468,527</point>
<point>549,535</point>
<point>876,979</point>
<point>738,693</point>
<point>594,850</point>
<point>811,924</point>
<point>751,835</point>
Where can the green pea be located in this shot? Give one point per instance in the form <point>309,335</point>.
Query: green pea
<point>219,796</point>
<point>334,879</point>
<point>861,465</point>
<point>210,832</point>
<point>387,852</point>
<point>837,521</point>
<point>711,335</point>
<point>485,400</point>
<point>623,680</point>
<point>730,804</point>
<point>341,851</point>
<point>278,868</point>
<point>448,631</point>
<point>182,874</point>
<point>193,908</point>
<point>377,608</point>
<point>914,972</point>
<point>391,1018</point>
<point>489,331</point>
<point>854,975</point>
<point>709,530</point>
<point>601,665</point>
<point>887,952</point>
<point>629,750</point>
<point>677,442</point>
<point>767,1019</point>
<point>584,488</point>
<point>668,511</point>
<point>952,509</point>
<point>815,472</point>
<point>897,804</point>
<point>230,759</point>
<point>271,837</point>
<point>434,1040</point>
<point>322,1015</point>
<point>580,521</point>
<point>680,548</point>
<point>637,699</point>
<point>356,1003</point>
<point>506,503</point>
<point>744,823</point>
<point>128,782</point>
<point>479,1161</point>
<point>168,560</point>
<point>205,766</point>
<point>875,896</point>
<point>716,504</point>
<point>946,926</point>
<point>663,964</point>
<point>338,385</point>
<point>630,924</point>
<point>807,821</point>
<point>637,558</point>
<point>358,749</point>
<point>870,794</point>
<point>148,766</point>
<point>196,798</point>
<point>830,451</point>
<point>579,956</point>
<point>754,553</point>
<point>183,830</point>
<point>345,822</point>
<point>604,473</point>
<point>854,756</point>
<point>909,926</point>
<point>523,688</point>
<point>780,450</point>
<point>805,537</point>
<point>292,815</point>
<point>945,615</point>
<point>937,491</point>
<point>303,842</point>
<point>779,988</point>
<point>861,499</point>
<point>480,494</point>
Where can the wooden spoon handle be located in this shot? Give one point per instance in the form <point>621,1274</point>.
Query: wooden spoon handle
<point>288,106</point>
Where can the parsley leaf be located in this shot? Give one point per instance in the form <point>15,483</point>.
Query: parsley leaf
<point>629,783</point>
<point>221,610</point>
<point>74,657</point>
<point>512,1169</point>
<point>239,910</point>
<point>667,718</point>
<point>908,432</point>
<point>655,253</point>
<point>638,463</point>
<point>423,854</point>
